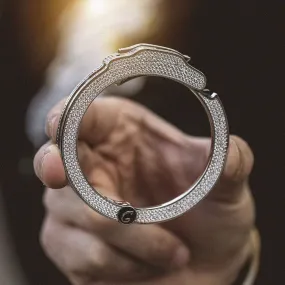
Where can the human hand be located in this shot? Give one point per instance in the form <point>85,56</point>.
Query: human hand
<point>132,155</point>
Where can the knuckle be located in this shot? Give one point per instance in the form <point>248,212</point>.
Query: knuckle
<point>162,251</point>
<point>52,199</point>
<point>99,258</point>
<point>158,247</point>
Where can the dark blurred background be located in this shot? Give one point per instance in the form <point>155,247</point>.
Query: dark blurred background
<point>239,45</point>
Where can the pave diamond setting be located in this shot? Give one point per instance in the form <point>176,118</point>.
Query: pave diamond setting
<point>141,60</point>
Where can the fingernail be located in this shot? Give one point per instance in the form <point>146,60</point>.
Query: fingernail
<point>181,257</point>
<point>49,150</point>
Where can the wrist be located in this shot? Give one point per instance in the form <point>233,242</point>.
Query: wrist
<point>249,271</point>
<point>245,267</point>
<point>241,269</point>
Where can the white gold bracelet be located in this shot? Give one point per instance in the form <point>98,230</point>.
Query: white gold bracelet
<point>128,63</point>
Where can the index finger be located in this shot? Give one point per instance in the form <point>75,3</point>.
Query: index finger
<point>98,121</point>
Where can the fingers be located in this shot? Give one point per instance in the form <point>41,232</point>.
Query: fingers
<point>84,256</point>
<point>173,166</point>
<point>150,244</point>
<point>103,116</point>
<point>53,119</point>
<point>49,167</point>
<point>97,123</point>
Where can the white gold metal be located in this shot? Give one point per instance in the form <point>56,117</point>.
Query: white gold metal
<point>134,61</point>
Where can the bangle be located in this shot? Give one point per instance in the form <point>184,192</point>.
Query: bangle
<point>128,63</point>
<point>248,273</point>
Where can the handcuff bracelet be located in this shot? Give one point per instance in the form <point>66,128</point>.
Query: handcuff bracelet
<point>128,63</point>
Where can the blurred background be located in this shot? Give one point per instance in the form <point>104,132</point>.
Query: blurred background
<point>48,46</point>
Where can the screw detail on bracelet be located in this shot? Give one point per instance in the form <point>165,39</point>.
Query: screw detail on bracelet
<point>127,215</point>
<point>126,64</point>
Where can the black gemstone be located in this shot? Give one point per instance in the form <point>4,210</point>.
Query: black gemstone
<point>127,215</point>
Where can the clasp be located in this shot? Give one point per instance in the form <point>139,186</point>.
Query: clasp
<point>207,93</point>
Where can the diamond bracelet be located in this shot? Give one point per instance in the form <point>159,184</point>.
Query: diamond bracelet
<point>128,63</point>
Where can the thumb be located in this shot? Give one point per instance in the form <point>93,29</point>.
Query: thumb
<point>238,166</point>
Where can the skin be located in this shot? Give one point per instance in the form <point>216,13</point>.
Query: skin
<point>130,154</point>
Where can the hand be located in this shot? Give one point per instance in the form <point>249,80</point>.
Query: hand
<point>133,155</point>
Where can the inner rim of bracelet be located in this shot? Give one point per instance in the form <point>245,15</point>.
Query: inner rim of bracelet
<point>195,181</point>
